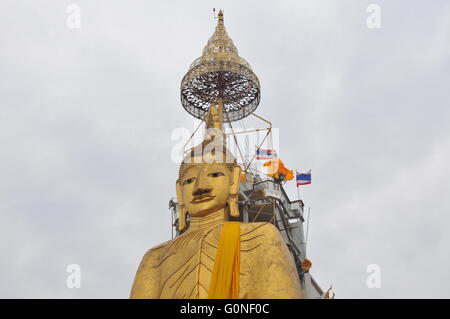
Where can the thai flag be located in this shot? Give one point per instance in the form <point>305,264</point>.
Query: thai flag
<point>303,178</point>
<point>262,154</point>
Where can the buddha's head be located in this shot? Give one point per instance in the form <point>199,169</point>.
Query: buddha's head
<point>208,181</point>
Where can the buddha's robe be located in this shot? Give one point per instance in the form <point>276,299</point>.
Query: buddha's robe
<point>182,267</point>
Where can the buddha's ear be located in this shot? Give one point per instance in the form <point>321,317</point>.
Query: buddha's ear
<point>181,207</point>
<point>234,189</point>
<point>235,179</point>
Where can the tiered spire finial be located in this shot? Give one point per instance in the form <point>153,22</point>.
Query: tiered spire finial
<point>220,74</point>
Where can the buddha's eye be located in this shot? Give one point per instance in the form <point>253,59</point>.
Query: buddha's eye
<point>216,174</point>
<point>188,181</point>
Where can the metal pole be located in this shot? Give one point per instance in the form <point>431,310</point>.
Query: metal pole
<point>307,229</point>
<point>172,223</point>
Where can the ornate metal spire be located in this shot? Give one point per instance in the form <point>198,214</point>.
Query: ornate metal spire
<point>220,74</point>
<point>220,47</point>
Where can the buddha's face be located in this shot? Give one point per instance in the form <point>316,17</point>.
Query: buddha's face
<point>205,187</point>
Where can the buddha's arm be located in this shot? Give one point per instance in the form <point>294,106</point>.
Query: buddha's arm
<point>146,282</point>
<point>276,274</point>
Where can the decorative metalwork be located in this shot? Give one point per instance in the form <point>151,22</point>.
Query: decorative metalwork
<point>306,265</point>
<point>220,73</point>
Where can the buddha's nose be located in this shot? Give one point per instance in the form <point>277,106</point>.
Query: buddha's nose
<point>201,185</point>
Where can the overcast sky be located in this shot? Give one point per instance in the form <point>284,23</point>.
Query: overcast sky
<point>86,117</point>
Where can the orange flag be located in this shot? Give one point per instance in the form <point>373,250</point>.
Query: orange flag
<point>276,168</point>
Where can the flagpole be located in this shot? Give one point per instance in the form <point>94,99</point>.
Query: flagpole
<point>307,229</point>
<point>298,189</point>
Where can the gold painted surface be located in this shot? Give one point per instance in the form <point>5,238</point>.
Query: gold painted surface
<point>182,268</point>
<point>214,120</point>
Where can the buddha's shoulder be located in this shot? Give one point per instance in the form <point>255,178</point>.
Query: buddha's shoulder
<point>155,253</point>
<point>258,228</point>
<point>260,233</point>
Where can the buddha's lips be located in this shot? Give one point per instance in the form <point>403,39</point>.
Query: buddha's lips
<point>202,198</point>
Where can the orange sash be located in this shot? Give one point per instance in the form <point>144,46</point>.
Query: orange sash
<point>225,276</point>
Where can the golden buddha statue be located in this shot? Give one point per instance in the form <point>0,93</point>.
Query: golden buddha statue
<point>183,267</point>
<point>214,256</point>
